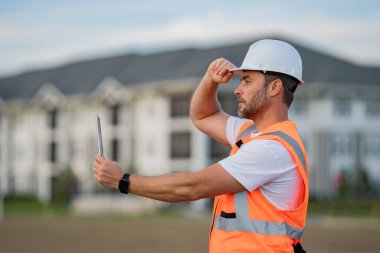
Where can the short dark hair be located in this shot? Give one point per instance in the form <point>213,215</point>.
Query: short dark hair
<point>289,85</point>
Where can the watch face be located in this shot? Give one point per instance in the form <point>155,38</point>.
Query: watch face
<point>124,183</point>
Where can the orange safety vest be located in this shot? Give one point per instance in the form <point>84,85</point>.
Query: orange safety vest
<point>247,222</point>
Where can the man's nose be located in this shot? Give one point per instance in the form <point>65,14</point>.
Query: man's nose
<point>238,90</point>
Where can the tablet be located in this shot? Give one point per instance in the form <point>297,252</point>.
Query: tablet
<point>100,141</point>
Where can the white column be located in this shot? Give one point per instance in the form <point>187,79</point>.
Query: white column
<point>4,154</point>
<point>199,160</point>
<point>63,136</point>
<point>44,166</point>
<point>44,184</point>
<point>4,166</point>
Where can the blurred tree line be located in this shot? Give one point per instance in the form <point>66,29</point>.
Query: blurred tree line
<point>64,187</point>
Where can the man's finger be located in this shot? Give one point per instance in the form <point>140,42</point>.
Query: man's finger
<point>95,168</point>
<point>100,159</point>
<point>229,75</point>
<point>96,165</point>
<point>222,68</point>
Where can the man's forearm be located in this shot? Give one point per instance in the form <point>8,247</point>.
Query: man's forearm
<point>175,187</point>
<point>204,102</point>
<point>185,186</point>
<point>205,110</point>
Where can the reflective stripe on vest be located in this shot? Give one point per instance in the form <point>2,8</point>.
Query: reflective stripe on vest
<point>247,131</point>
<point>293,144</point>
<point>282,135</point>
<point>243,223</point>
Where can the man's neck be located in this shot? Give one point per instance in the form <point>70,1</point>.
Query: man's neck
<point>270,117</point>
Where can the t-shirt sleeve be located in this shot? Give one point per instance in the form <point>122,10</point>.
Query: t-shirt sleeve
<point>232,128</point>
<point>257,163</point>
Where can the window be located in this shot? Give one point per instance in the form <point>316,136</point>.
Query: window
<point>53,118</point>
<point>115,113</point>
<point>115,149</point>
<point>229,103</point>
<point>342,144</point>
<point>342,107</point>
<point>372,108</point>
<point>300,106</point>
<point>53,152</point>
<point>180,145</point>
<point>371,147</point>
<point>180,105</point>
<point>218,150</point>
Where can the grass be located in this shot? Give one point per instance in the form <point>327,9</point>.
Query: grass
<point>17,207</point>
<point>32,207</point>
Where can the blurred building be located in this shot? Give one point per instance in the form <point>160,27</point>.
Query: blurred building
<point>47,119</point>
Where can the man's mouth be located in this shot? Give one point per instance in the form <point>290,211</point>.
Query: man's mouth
<point>240,100</point>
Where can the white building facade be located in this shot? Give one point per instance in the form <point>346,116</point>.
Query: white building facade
<point>147,130</point>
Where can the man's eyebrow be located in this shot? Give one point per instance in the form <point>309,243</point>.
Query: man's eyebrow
<point>244,78</point>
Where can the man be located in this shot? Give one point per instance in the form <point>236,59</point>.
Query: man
<point>261,189</point>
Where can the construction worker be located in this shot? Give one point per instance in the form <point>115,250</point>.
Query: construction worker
<point>261,189</point>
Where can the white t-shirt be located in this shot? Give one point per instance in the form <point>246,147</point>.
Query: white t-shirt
<point>264,164</point>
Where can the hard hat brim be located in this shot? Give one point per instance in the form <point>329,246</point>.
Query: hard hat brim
<point>240,71</point>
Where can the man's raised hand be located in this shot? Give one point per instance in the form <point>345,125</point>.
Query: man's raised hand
<point>219,70</point>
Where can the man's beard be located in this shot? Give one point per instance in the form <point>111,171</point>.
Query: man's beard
<point>258,103</point>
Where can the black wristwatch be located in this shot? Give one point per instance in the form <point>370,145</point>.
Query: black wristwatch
<point>124,183</point>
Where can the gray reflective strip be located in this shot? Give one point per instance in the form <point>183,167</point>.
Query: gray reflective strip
<point>293,144</point>
<point>246,132</point>
<point>259,227</point>
<point>243,223</point>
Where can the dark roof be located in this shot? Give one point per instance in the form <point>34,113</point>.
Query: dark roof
<point>131,69</point>
<point>323,68</point>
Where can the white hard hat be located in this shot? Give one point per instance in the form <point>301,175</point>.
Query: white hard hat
<point>274,56</point>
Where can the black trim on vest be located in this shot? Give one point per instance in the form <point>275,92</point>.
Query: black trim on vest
<point>239,143</point>
<point>228,215</point>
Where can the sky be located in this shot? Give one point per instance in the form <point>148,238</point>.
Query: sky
<point>46,33</point>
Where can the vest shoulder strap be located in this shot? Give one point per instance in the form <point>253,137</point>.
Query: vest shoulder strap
<point>245,130</point>
<point>298,148</point>
<point>286,139</point>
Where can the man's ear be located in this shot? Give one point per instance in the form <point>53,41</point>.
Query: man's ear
<point>275,87</point>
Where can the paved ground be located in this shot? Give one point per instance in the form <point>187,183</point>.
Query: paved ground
<point>159,235</point>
